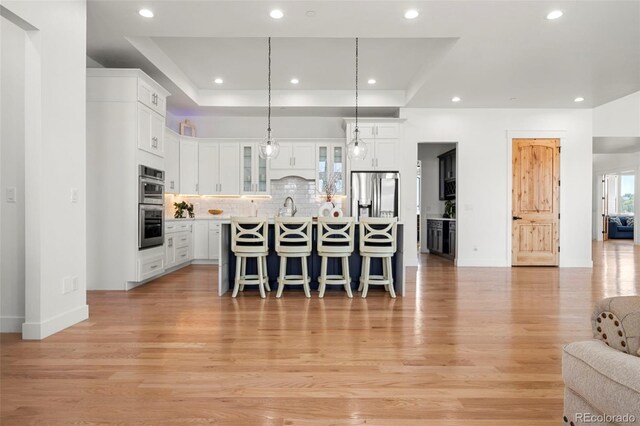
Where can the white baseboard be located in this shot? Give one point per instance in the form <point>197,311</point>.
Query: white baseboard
<point>11,324</point>
<point>44,329</point>
<point>481,263</point>
<point>575,263</point>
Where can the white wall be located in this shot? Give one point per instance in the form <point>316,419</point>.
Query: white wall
<point>55,98</point>
<point>256,127</point>
<point>484,181</point>
<point>430,204</point>
<point>12,270</point>
<point>618,118</point>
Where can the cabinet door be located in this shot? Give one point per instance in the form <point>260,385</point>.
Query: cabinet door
<point>144,128</point>
<point>386,154</point>
<point>387,131</point>
<point>284,161</point>
<point>171,163</point>
<point>442,170</point>
<point>229,174</point>
<point>170,252</point>
<point>201,239</point>
<point>304,156</point>
<point>323,153</point>
<point>337,166</point>
<point>188,167</point>
<point>452,242</point>
<point>439,242</point>
<point>208,166</point>
<point>246,168</point>
<point>367,130</point>
<point>261,177</point>
<point>157,134</point>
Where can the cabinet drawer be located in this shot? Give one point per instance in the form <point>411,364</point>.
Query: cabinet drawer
<point>170,227</point>
<point>182,255</point>
<point>434,224</point>
<point>183,226</point>
<point>452,225</point>
<point>148,268</point>
<point>214,225</point>
<point>182,239</point>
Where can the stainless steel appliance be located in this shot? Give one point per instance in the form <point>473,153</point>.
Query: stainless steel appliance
<point>375,194</point>
<point>150,208</point>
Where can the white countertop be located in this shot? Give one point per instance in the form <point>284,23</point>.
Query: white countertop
<point>442,218</point>
<point>227,219</point>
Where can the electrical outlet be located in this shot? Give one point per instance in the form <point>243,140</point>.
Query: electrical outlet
<point>69,284</point>
<point>11,194</point>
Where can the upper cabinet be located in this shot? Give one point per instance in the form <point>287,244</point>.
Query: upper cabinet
<point>295,159</point>
<point>254,171</point>
<point>382,138</point>
<point>152,95</point>
<point>447,170</point>
<point>209,167</point>
<point>171,162</point>
<point>330,161</point>
<point>188,166</point>
<point>150,131</point>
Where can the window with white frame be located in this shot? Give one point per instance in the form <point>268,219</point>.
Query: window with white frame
<point>620,193</point>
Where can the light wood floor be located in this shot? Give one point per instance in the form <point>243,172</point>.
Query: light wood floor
<point>469,346</point>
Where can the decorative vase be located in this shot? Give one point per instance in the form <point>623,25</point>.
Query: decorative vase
<point>325,209</point>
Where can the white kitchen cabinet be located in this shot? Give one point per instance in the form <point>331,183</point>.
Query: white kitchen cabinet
<point>178,243</point>
<point>169,250</point>
<point>151,96</point>
<point>228,170</point>
<point>201,239</point>
<point>150,131</point>
<point>218,168</point>
<point>208,170</point>
<point>171,162</point>
<point>254,171</point>
<point>295,158</point>
<point>330,160</point>
<point>382,139</point>
<point>188,166</point>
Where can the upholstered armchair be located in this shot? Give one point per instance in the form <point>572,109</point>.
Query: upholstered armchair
<point>602,376</point>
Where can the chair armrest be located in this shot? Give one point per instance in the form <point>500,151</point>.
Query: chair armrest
<point>616,322</point>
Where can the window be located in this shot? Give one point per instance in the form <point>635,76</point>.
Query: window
<point>620,193</point>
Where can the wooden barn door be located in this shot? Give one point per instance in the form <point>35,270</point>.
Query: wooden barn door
<point>536,197</point>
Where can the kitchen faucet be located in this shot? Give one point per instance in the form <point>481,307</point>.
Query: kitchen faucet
<point>288,202</point>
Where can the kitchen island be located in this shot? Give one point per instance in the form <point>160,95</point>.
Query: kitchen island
<point>227,263</point>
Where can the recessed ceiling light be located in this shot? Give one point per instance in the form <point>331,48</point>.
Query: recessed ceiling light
<point>456,99</point>
<point>554,14</point>
<point>218,81</point>
<point>146,13</point>
<point>371,81</point>
<point>411,14</point>
<point>578,99</point>
<point>295,81</point>
<point>276,14</point>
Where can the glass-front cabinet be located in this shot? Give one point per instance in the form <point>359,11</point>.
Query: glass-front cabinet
<point>331,165</point>
<point>254,171</point>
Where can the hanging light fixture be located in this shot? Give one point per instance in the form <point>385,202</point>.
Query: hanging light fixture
<point>269,147</point>
<point>357,149</point>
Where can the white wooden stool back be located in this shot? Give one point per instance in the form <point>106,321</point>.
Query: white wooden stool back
<point>249,235</point>
<point>335,235</point>
<point>293,235</point>
<point>378,235</point>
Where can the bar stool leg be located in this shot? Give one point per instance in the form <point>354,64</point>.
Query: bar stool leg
<point>283,270</point>
<point>236,285</point>
<point>243,271</point>
<point>385,274</point>
<point>323,276</point>
<point>305,276</point>
<point>347,277</point>
<point>361,279</point>
<point>392,291</point>
<point>365,284</point>
<point>261,278</point>
<point>266,273</point>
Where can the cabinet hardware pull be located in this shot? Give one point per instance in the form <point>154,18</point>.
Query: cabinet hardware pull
<point>516,218</point>
<point>154,266</point>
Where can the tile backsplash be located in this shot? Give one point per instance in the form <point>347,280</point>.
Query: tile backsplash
<point>307,199</point>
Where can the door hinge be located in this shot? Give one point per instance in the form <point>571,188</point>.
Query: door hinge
<point>558,182</point>
<point>558,249</point>
<point>559,149</point>
<point>558,215</point>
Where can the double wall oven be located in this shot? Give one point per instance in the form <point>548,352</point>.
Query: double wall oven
<point>150,208</point>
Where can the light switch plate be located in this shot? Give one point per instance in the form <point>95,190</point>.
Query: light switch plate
<point>74,195</point>
<point>11,194</point>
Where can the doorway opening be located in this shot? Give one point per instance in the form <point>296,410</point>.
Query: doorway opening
<point>436,199</point>
<point>618,206</point>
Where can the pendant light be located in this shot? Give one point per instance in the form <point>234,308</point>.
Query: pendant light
<point>269,147</point>
<point>357,149</point>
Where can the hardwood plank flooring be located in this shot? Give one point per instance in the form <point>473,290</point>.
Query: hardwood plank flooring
<point>467,346</point>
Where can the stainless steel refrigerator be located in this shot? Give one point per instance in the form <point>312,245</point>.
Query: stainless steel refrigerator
<point>375,194</point>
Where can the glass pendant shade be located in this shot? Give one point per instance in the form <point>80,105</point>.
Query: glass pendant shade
<point>269,148</point>
<point>357,148</point>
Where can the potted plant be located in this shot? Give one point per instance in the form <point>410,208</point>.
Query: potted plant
<point>181,207</point>
<point>449,209</point>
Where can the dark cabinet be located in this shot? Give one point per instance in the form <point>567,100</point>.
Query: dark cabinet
<point>447,169</point>
<point>441,237</point>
